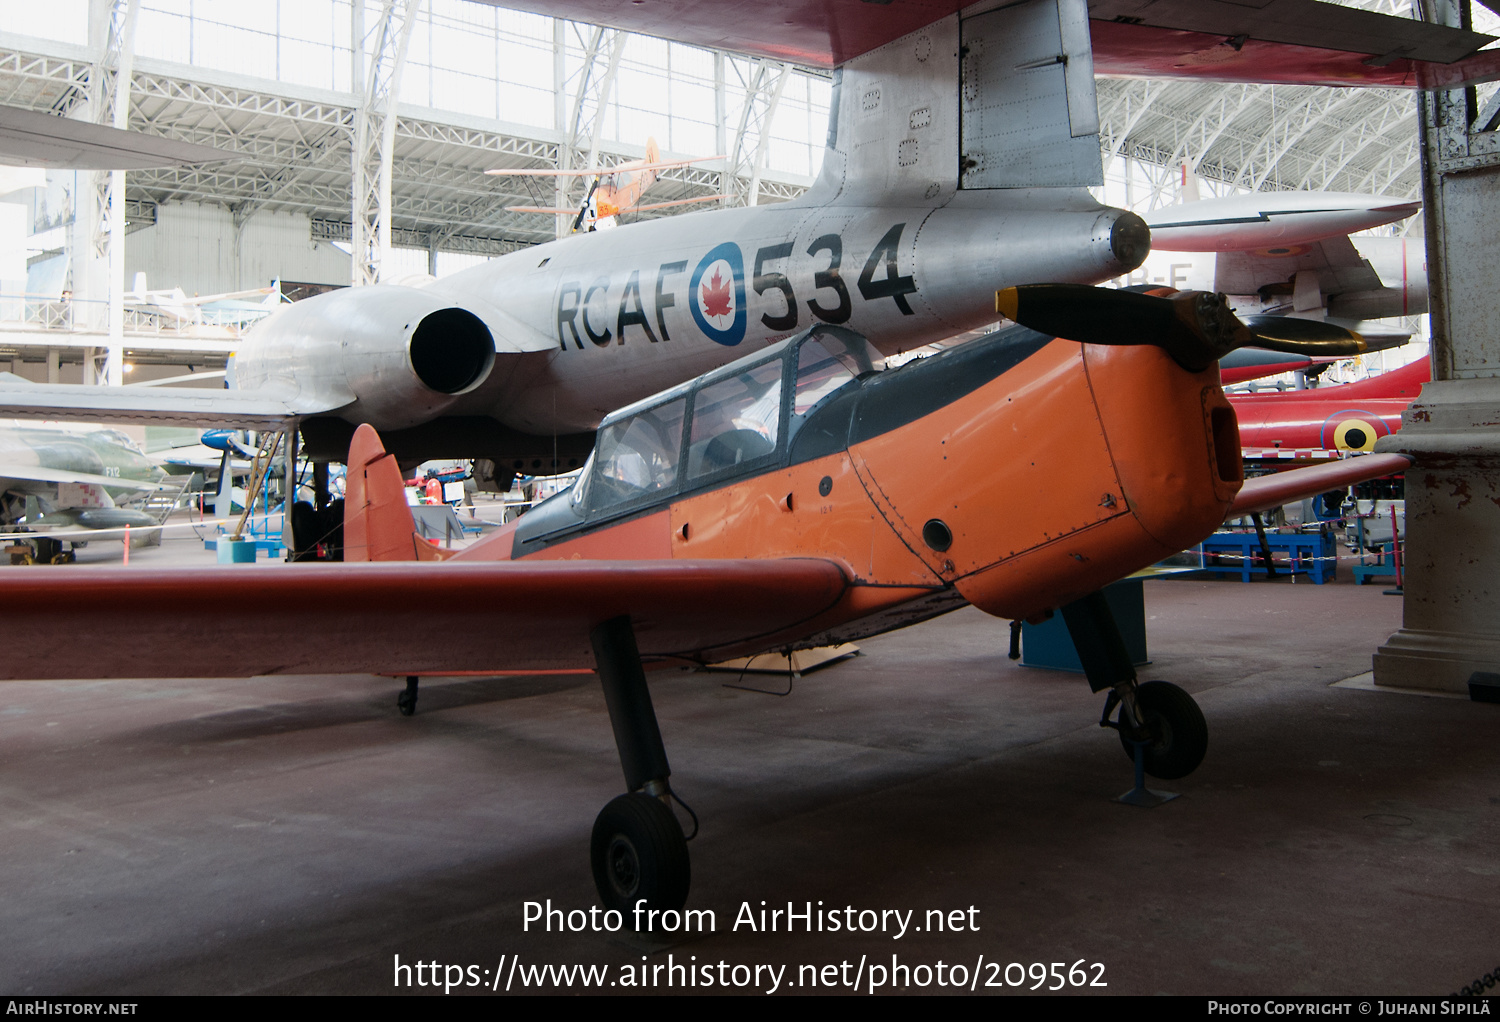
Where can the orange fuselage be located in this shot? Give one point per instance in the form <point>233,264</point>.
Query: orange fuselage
<point>1016,490</point>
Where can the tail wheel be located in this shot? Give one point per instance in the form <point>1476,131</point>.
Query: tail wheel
<point>638,852</point>
<point>1178,734</point>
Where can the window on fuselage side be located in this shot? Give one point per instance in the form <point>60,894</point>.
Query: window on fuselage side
<point>820,374</point>
<point>735,422</point>
<point>636,457</point>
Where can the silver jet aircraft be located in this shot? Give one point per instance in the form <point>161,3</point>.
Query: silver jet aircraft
<point>961,144</point>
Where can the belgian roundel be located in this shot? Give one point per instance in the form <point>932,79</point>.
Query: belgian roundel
<point>1354,434</point>
<point>717,295</point>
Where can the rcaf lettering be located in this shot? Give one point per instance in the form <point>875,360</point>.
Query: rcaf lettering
<point>666,298</point>
<point>567,315</point>
<point>636,318</point>
<point>602,284</point>
<point>829,279</point>
<point>893,286</point>
<point>574,303</point>
<point>776,282</point>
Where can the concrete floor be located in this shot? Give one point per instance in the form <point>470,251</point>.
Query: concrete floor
<point>294,834</point>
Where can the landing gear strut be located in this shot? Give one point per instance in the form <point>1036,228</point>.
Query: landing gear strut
<point>1158,714</point>
<point>406,701</point>
<point>637,850</point>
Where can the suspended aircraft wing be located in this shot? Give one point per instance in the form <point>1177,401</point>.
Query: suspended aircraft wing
<point>1338,266</point>
<point>229,409</point>
<point>1281,41</point>
<point>539,209</point>
<point>1265,492</point>
<point>32,139</point>
<point>1292,42</point>
<point>601,171</point>
<point>514,616</point>
<point>674,202</point>
<point>627,209</point>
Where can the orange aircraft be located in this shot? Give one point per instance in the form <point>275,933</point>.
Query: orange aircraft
<point>795,498</point>
<point>615,190</point>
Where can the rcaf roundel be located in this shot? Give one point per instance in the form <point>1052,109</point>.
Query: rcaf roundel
<point>718,295</point>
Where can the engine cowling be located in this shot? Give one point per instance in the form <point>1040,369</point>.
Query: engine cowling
<point>392,356</point>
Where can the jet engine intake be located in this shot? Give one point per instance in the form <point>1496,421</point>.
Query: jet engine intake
<point>389,355</point>
<point>451,351</point>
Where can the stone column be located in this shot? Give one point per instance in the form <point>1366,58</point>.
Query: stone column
<point>1451,618</point>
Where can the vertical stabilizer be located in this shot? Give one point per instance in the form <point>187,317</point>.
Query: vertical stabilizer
<point>1000,95</point>
<point>378,525</point>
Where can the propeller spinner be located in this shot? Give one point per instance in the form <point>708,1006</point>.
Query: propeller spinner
<point>1197,328</point>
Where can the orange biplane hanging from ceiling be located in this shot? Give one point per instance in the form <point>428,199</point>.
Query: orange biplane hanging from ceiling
<point>614,190</point>
<point>796,497</point>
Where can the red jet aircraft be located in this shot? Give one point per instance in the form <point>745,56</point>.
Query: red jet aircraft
<point>794,498</point>
<point>1332,418</point>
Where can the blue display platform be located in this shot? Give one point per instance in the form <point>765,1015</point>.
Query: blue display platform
<point>1049,644</point>
<point>1312,552</point>
<point>1385,567</point>
<point>244,551</point>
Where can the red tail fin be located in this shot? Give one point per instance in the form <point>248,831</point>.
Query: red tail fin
<point>378,525</point>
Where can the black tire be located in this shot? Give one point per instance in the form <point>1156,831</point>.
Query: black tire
<point>1179,734</point>
<point>638,852</point>
<point>406,702</point>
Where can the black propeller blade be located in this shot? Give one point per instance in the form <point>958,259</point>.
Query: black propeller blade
<point>1197,328</point>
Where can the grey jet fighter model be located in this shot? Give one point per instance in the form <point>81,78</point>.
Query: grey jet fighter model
<point>65,484</point>
<point>961,144</point>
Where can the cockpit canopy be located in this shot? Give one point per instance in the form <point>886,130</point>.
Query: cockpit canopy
<point>725,424</point>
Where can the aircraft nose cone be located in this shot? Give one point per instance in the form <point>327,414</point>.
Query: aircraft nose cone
<point>1130,240</point>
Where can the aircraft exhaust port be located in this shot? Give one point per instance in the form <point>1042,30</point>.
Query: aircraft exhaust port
<point>452,351</point>
<point>1130,240</point>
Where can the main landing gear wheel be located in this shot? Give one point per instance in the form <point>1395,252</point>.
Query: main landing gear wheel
<point>1177,733</point>
<point>638,851</point>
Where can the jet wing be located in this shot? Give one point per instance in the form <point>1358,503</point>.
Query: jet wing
<point>402,618</point>
<point>39,474</point>
<point>1339,267</point>
<point>32,139</point>
<point>1281,41</point>
<point>225,409</point>
<point>1265,492</point>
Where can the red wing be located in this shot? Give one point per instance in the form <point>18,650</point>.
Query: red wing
<point>1143,51</point>
<point>1265,492</point>
<point>402,618</point>
<point>1296,41</point>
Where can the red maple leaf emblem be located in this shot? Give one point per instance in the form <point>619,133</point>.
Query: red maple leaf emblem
<point>716,297</point>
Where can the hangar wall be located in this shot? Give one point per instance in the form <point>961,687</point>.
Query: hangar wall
<point>196,247</point>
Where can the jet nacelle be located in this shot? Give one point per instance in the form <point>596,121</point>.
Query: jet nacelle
<point>391,354</point>
<point>600,313</point>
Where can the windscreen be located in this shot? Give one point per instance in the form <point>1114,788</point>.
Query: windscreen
<point>636,457</point>
<point>735,421</point>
